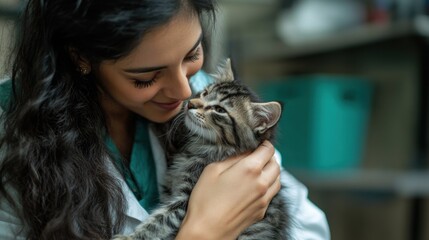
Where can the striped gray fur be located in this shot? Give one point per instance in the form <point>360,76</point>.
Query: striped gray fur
<point>223,120</point>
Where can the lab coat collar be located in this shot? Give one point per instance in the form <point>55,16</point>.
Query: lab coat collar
<point>134,209</point>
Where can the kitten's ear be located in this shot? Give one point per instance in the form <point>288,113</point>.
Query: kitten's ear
<point>266,115</point>
<point>224,73</point>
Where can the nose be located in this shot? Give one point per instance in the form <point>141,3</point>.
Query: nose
<point>195,103</point>
<point>178,87</point>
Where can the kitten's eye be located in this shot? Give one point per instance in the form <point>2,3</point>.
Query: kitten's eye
<point>204,93</point>
<point>219,109</point>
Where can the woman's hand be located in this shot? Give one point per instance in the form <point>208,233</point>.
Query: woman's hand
<point>232,195</point>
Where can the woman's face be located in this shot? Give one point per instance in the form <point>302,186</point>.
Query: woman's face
<point>152,81</point>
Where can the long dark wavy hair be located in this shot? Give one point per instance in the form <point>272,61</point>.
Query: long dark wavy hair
<point>53,150</point>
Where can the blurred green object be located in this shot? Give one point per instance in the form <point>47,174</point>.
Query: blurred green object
<point>324,120</point>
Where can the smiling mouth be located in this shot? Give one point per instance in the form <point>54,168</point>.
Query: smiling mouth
<point>169,106</point>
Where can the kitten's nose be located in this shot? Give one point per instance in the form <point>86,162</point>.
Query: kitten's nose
<point>190,105</point>
<point>194,104</point>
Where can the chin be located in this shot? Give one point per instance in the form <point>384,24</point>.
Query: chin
<point>162,118</point>
<point>157,116</point>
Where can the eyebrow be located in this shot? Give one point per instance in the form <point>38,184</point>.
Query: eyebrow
<point>151,69</point>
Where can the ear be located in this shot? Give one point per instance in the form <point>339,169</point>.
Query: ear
<point>83,66</point>
<point>224,73</point>
<point>266,115</point>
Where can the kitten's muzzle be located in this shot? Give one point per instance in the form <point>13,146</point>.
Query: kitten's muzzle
<point>194,104</point>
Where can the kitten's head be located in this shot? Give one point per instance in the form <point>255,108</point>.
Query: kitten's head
<point>228,113</point>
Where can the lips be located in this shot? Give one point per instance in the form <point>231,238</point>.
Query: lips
<point>168,106</point>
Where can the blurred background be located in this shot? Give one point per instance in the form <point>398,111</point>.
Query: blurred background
<point>353,78</point>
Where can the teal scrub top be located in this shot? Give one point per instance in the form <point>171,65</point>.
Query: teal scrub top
<point>140,175</point>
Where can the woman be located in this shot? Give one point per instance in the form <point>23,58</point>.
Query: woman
<point>80,161</point>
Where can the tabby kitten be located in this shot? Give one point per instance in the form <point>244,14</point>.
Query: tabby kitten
<point>223,120</point>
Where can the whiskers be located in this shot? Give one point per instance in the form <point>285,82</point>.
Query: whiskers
<point>201,131</point>
<point>176,124</point>
<point>188,130</point>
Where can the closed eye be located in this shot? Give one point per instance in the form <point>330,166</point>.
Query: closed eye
<point>143,84</point>
<point>195,56</point>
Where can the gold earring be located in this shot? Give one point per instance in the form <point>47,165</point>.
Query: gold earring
<point>84,70</point>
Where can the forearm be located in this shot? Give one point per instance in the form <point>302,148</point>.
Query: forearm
<point>196,230</point>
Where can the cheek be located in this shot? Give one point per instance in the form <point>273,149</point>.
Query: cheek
<point>141,95</point>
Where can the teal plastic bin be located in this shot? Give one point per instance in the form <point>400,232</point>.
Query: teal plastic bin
<point>324,120</point>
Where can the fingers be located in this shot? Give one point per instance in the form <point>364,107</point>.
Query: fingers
<point>262,155</point>
<point>266,199</point>
<point>222,166</point>
<point>272,191</point>
<point>271,171</point>
<point>254,162</point>
<point>271,174</point>
<point>274,188</point>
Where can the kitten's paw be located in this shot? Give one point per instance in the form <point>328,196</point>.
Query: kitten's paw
<point>120,237</point>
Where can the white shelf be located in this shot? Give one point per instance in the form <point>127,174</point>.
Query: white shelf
<point>401,183</point>
<point>274,49</point>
